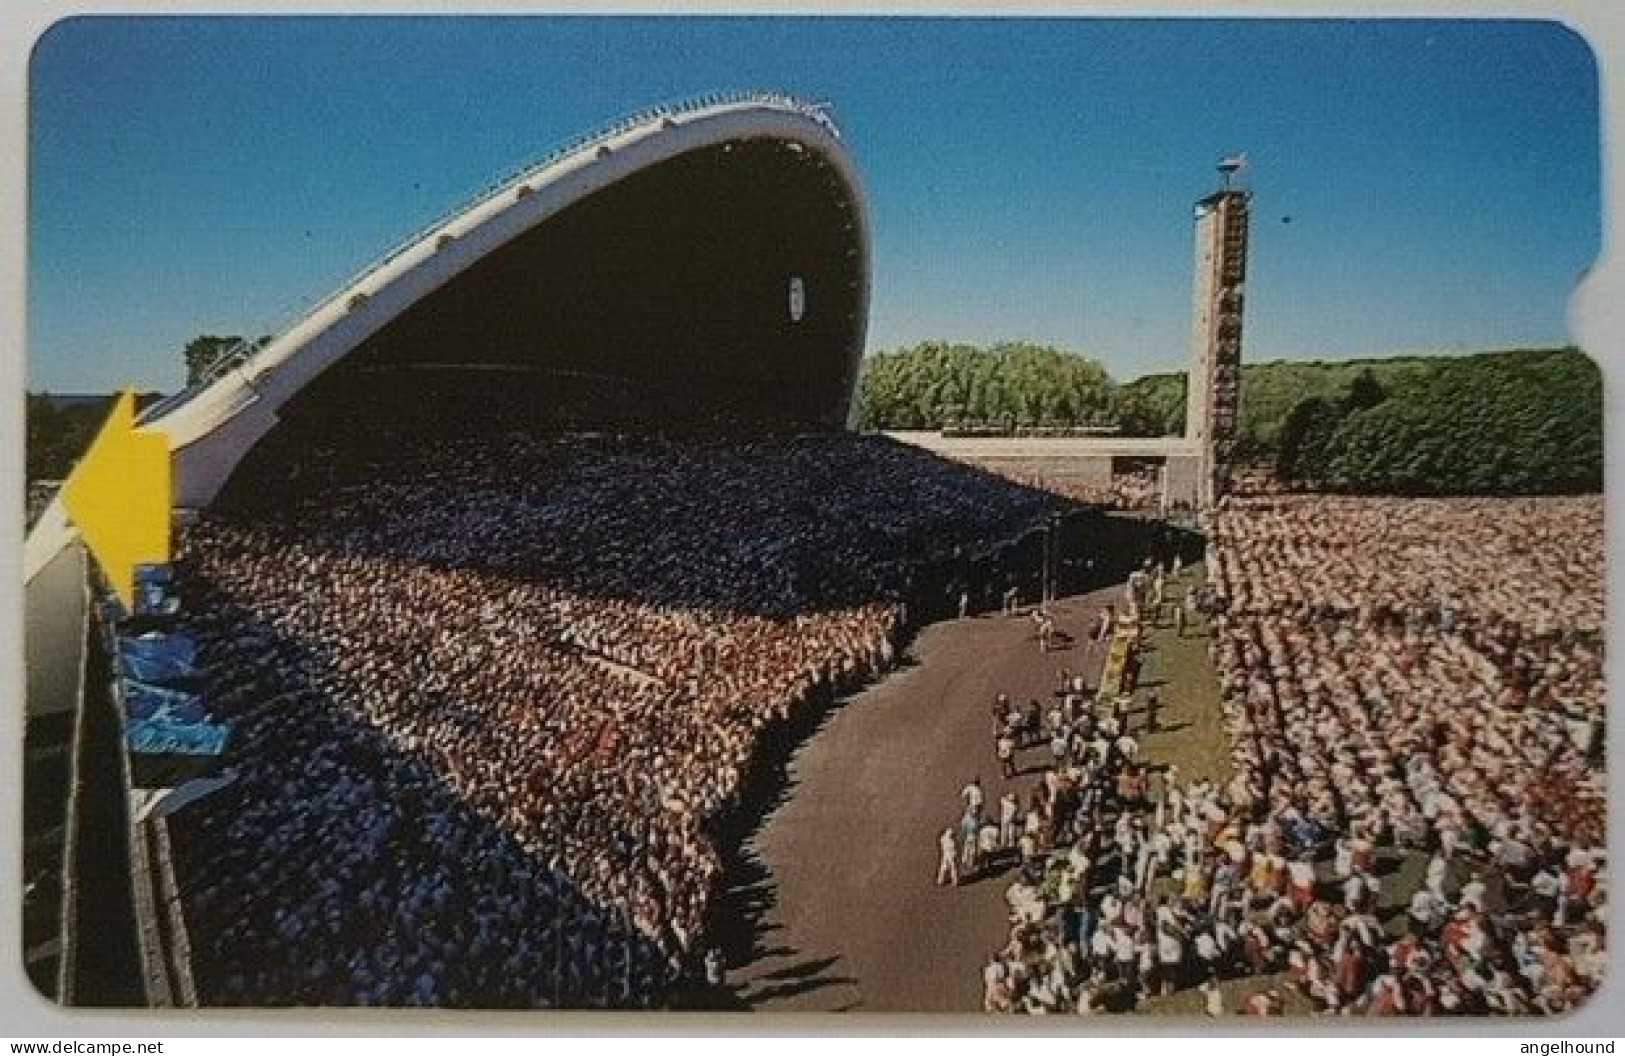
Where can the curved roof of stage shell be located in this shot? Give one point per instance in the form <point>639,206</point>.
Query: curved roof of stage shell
<point>720,243</point>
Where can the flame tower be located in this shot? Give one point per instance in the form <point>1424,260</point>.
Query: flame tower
<point>1214,388</point>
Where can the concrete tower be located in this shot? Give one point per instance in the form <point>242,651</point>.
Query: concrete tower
<point>1215,375</point>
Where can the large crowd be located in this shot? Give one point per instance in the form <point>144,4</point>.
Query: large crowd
<point>1413,819</point>
<point>495,694</point>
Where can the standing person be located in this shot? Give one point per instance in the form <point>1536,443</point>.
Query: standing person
<point>970,826</point>
<point>1151,705</point>
<point>1209,953</point>
<point>1170,958</point>
<point>987,845</point>
<point>1179,621</point>
<point>715,969</point>
<point>948,858</point>
<point>1001,713</point>
<point>974,798</point>
<point>1120,706</point>
<point>1059,743</point>
<point>1125,959</point>
<point>1032,726</point>
<point>1342,859</point>
<point>1301,874</point>
<point>993,985</point>
<point>964,603</point>
<point>1027,846</point>
<point>1006,748</point>
<point>1009,820</point>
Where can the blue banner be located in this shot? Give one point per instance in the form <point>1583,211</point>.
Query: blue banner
<point>158,658</point>
<point>156,737</point>
<point>154,590</point>
<point>146,701</point>
<point>180,646</point>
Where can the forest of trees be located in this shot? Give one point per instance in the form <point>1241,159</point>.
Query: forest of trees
<point>203,351</point>
<point>58,432</point>
<point>936,384</point>
<point>1521,421</point>
<point>60,428</point>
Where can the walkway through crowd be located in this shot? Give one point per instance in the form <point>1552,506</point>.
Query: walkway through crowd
<point>837,880</point>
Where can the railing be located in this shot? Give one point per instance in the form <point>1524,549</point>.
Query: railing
<point>238,353</point>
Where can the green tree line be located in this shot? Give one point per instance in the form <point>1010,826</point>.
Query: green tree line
<point>937,384</point>
<point>57,432</point>
<point>59,429</point>
<point>1520,421</point>
<point>1525,422</point>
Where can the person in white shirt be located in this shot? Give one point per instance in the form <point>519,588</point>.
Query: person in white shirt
<point>1302,875</point>
<point>1005,748</point>
<point>1026,903</point>
<point>1438,878</point>
<point>973,796</point>
<point>1170,959</point>
<point>1123,953</point>
<point>1144,866</point>
<point>993,977</point>
<point>987,844</point>
<point>1426,908</point>
<point>948,859</point>
<point>1085,1003</point>
<point>1473,891</point>
<point>1009,820</point>
<point>1145,949</point>
<point>1356,891</point>
<point>1208,952</point>
<point>1546,887</point>
<point>1343,859</point>
<point>1212,999</point>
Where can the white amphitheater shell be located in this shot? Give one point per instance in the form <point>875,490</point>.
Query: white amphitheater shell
<point>213,426</point>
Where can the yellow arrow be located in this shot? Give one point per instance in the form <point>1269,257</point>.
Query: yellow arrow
<point>118,496</point>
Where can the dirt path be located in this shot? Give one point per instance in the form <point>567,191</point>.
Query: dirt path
<point>837,885</point>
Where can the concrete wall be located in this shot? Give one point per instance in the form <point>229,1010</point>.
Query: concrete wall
<point>1093,471</point>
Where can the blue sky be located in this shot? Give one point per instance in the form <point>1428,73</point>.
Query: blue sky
<point>1419,184</point>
